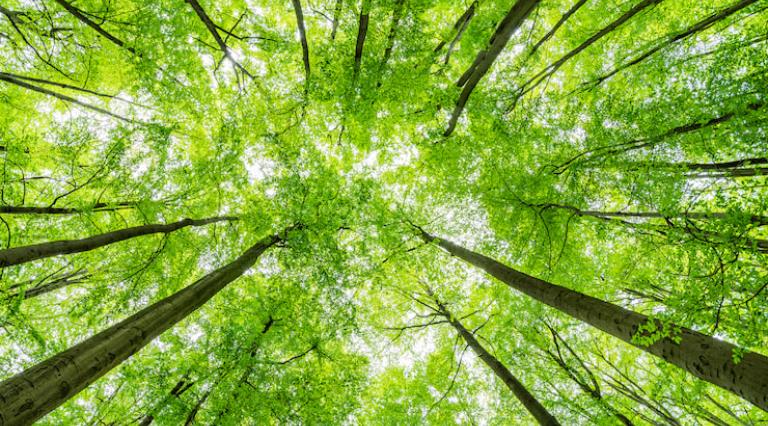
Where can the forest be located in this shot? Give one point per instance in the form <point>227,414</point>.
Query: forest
<point>384,212</point>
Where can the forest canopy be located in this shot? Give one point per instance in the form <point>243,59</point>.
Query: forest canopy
<point>384,212</point>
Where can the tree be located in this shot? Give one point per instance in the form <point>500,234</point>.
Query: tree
<point>612,153</point>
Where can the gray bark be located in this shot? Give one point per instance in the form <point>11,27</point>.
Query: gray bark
<point>703,356</point>
<point>38,390</point>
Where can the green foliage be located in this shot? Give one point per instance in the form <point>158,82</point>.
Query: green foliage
<point>329,328</point>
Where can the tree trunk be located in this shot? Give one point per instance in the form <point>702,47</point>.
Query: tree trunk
<point>18,255</point>
<point>362,31</point>
<point>38,390</point>
<point>703,356</point>
<point>302,37</point>
<point>98,207</point>
<point>523,395</point>
<point>472,76</point>
<point>557,26</point>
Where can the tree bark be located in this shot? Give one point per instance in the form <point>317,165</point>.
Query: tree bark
<point>362,31</point>
<point>303,37</point>
<point>18,255</point>
<point>511,22</point>
<point>96,27</point>
<point>703,356</point>
<point>38,390</point>
<point>98,207</point>
<point>502,372</point>
<point>7,78</point>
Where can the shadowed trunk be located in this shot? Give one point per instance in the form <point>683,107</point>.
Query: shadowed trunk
<point>362,31</point>
<point>18,255</point>
<point>703,356</point>
<point>502,372</point>
<point>459,27</point>
<point>98,207</point>
<point>486,58</point>
<point>38,390</point>
<point>302,37</point>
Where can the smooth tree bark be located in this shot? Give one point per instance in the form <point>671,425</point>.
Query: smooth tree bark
<point>482,63</point>
<point>522,394</point>
<point>23,254</point>
<point>41,388</point>
<point>302,38</point>
<point>98,207</point>
<point>705,357</point>
<point>362,31</point>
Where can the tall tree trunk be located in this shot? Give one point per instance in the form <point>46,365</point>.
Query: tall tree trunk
<point>38,390</point>
<point>472,76</point>
<point>18,255</point>
<point>502,372</point>
<point>703,356</point>
<point>98,207</point>
<point>362,31</point>
<point>303,38</point>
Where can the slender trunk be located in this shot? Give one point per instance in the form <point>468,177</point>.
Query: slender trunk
<point>18,255</point>
<point>98,207</point>
<point>502,372</point>
<point>38,390</point>
<point>731,173</point>
<point>397,13</point>
<point>482,63</point>
<point>336,13</point>
<point>181,386</point>
<point>192,414</point>
<point>624,147</point>
<point>721,166</point>
<point>96,27</point>
<point>460,27</point>
<point>55,284</point>
<point>362,31</point>
<point>673,38</point>
<point>5,77</point>
<point>703,356</point>
<point>302,37</point>
<point>557,26</point>
<point>550,69</point>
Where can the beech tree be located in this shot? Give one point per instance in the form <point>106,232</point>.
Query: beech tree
<point>383,212</point>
